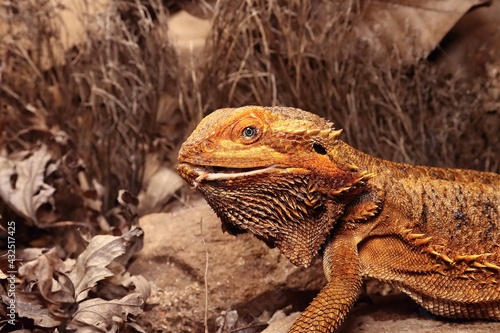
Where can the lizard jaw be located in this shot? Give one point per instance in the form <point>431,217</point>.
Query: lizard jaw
<point>230,173</point>
<point>277,203</point>
<point>195,174</point>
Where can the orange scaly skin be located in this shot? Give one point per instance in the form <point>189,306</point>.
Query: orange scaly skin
<point>283,174</point>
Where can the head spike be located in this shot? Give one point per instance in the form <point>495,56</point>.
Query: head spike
<point>334,134</point>
<point>312,132</point>
<point>325,133</point>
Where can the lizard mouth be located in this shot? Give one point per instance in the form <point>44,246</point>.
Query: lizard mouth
<point>216,172</point>
<point>195,174</point>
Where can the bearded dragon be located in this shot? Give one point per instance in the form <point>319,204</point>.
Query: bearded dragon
<point>284,175</point>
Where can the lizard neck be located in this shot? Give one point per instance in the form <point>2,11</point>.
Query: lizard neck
<point>391,172</point>
<point>347,156</point>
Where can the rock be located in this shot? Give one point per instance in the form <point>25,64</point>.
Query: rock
<point>242,273</point>
<point>395,312</point>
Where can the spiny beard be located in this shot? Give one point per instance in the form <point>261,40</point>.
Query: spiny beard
<point>279,210</point>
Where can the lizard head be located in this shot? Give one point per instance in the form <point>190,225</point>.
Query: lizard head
<point>268,170</point>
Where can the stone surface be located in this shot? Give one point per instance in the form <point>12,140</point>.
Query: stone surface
<point>394,313</point>
<point>244,275</point>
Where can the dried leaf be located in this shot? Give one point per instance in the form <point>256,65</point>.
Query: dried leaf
<point>22,185</point>
<point>91,264</point>
<point>103,316</point>
<point>188,34</point>
<point>158,190</point>
<point>126,198</point>
<point>48,271</point>
<point>58,291</point>
<point>28,305</point>
<point>136,327</point>
<point>413,27</point>
<point>31,253</point>
<point>139,284</point>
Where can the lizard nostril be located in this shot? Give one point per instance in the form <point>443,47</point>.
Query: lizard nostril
<point>208,146</point>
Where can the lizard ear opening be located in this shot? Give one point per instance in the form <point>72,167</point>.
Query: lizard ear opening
<point>319,148</point>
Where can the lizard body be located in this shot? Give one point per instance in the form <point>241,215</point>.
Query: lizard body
<point>283,174</point>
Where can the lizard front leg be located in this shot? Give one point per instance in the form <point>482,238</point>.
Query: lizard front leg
<point>329,308</point>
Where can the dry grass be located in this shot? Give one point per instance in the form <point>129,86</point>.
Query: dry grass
<point>114,95</point>
<point>301,53</point>
<point>100,107</point>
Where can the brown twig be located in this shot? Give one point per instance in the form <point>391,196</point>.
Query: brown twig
<point>3,65</point>
<point>205,276</point>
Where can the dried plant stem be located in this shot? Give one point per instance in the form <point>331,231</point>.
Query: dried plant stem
<point>205,276</point>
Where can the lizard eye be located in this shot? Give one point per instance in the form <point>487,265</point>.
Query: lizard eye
<point>249,132</point>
